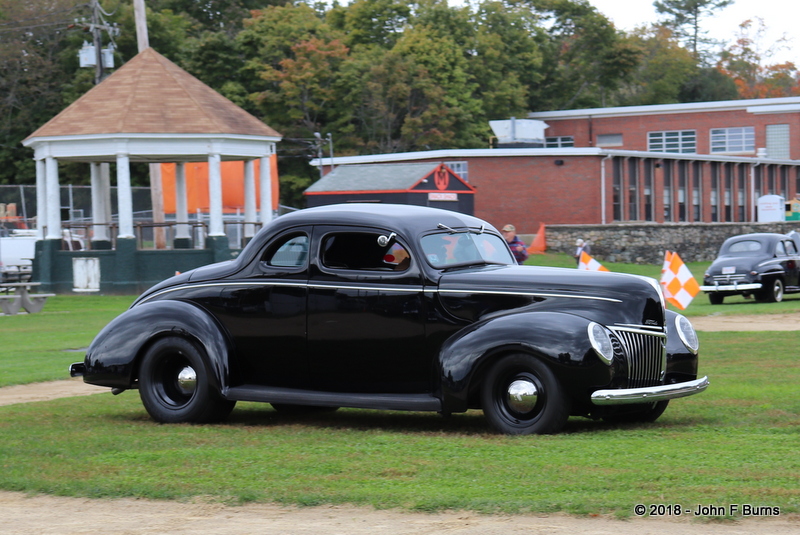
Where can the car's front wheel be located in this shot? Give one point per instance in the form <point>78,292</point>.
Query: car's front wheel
<point>174,384</point>
<point>773,293</point>
<point>715,299</point>
<point>521,396</point>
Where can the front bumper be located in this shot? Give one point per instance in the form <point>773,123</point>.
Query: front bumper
<point>624,396</point>
<point>735,287</point>
<point>77,370</point>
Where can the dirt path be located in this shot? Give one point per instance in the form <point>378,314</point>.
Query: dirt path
<point>42,515</point>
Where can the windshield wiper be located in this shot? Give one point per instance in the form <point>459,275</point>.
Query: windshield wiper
<point>454,231</point>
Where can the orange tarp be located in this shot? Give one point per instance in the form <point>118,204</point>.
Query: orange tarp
<point>232,186</point>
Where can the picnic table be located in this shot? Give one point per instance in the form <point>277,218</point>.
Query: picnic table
<point>18,295</point>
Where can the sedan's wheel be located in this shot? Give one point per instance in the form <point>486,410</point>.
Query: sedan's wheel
<point>715,299</point>
<point>636,414</point>
<point>521,396</point>
<point>773,293</point>
<point>174,385</point>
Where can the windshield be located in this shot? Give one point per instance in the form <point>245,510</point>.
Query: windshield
<point>445,250</point>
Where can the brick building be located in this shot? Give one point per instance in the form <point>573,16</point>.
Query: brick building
<point>697,162</point>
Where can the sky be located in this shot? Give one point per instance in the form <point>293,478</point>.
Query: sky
<point>779,16</point>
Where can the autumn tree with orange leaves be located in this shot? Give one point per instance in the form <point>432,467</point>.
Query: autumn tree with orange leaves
<point>745,62</point>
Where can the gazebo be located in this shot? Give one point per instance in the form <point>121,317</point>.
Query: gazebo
<point>150,110</point>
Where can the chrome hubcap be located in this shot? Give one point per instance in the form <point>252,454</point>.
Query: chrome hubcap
<point>187,380</point>
<point>522,396</point>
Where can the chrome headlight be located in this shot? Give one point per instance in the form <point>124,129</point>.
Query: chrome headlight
<point>687,333</point>
<point>601,342</point>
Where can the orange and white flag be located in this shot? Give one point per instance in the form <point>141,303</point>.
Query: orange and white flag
<point>677,282</point>
<point>589,263</point>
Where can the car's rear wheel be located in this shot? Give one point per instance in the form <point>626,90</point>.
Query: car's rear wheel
<point>773,293</point>
<point>521,396</point>
<point>715,299</point>
<point>638,414</point>
<point>174,384</point>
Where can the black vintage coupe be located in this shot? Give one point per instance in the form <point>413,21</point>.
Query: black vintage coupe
<point>397,307</point>
<point>764,265</point>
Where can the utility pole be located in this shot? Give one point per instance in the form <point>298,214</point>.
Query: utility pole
<point>156,189</point>
<point>98,51</point>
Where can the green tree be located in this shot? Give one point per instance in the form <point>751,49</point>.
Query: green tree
<point>663,70</point>
<point>685,18</point>
<point>585,58</point>
<point>36,62</point>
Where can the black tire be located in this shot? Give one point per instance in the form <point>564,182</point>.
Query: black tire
<point>540,406</point>
<point>639,414</point>
<point>716,299</point>
<point>773,293</point>
<point>170,398</point>
<point>288,408</point>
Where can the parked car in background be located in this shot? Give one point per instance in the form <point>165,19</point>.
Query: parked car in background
<point>764,265</point>
<point>398,307</point>
<point>17,249</point>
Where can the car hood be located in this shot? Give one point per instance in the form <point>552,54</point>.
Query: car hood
<point>609,298</point>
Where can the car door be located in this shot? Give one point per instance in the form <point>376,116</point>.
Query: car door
<point>791,264</point>
<point>264,310</point>
<point>365,313</point>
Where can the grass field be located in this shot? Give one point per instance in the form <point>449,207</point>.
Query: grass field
<point>736,443</point>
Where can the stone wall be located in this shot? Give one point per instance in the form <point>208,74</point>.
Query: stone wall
<point>645,243</point>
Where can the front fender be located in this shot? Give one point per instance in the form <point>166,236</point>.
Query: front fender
<point>682,364</point>
<point>560,340</point>
<point>112,358</point>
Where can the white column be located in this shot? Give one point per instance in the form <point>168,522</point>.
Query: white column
<point>215,224</point>
<point>53,200</point>
<point>265,183</point>
<point>124,197</point>
<point>100,228</point>
<point>41,198</point>
<point>181,204</point>
<point>249,197</point>
<point>105,182</point>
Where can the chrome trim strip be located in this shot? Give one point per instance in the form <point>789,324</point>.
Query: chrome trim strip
<point>366,287</point>
<point>732,287</point>
<point>531,294</point>
<point>649,394</point>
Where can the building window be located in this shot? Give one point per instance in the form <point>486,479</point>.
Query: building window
<point>609,140</point>
<point>459,168</point>
<point>715,189</point>
<point>617,190</point>
<point>667,166</point>
<point>679,141</point>
<point>778,141</point>
<point>740,139</point>
<point>697,192</point>
<point>558,142</point>
<point>633,189</point>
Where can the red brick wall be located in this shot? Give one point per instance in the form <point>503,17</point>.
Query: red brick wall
<point>634,129</point>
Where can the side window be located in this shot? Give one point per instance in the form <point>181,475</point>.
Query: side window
<point>790,248</point>
<point>362,251</point>
<point>290,252</point>
<point>780,250</point>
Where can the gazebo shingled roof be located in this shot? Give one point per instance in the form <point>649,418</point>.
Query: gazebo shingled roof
<point>150,94</point>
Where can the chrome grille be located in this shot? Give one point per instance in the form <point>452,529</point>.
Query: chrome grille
<point>736,277</point>
<point>646,355</point>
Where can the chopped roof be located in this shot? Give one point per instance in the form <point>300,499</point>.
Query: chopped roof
<point>150,94</point>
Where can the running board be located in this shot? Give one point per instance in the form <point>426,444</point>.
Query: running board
<point>270,394</point>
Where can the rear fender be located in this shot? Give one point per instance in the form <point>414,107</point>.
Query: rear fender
<point>560,340</point>
<point>113,357</point>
